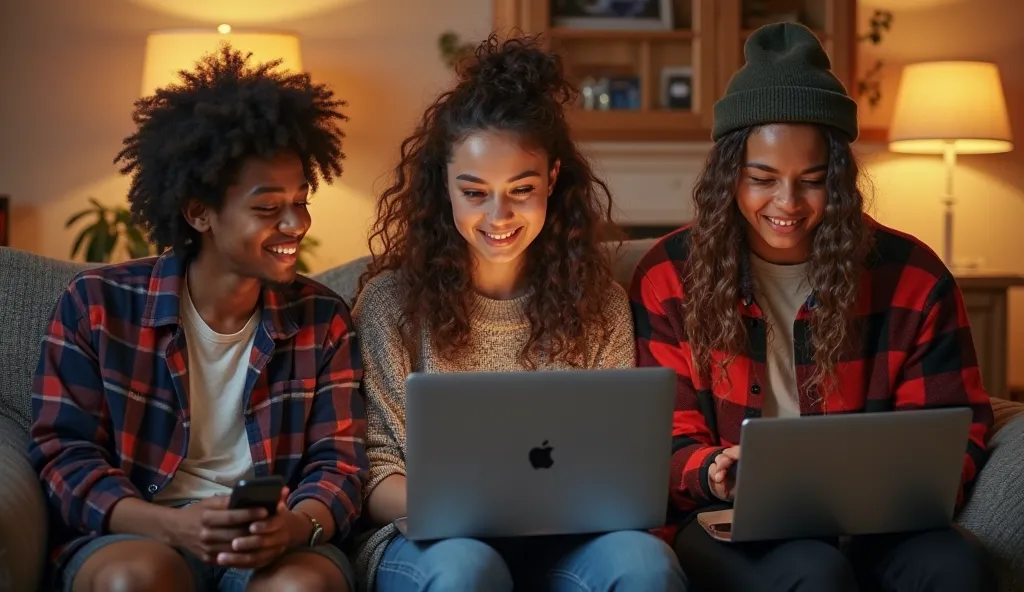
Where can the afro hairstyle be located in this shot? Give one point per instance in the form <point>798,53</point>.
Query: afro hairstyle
<point>193,136</point>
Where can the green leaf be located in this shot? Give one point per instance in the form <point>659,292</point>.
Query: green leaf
<point>78,216</point>
<point>102,244</point>
<point>90,249</point>
<point>79,239</point>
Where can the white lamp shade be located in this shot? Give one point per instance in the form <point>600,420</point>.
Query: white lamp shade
<point>167,52</point>
<point>950,104</point>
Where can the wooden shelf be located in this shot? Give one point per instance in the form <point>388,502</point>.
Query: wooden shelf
<point>644,125</point>
<point>873,135</point>
<point>708,41</point>
<point>624,35</point>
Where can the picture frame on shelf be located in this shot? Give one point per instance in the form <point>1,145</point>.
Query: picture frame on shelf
<point>624,93</point>
<point>676,89</point>
<point>5,221</point>
<point>613,14</point>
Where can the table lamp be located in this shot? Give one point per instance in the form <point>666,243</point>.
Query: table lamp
<point>167,52</point>
<point>950,108</point>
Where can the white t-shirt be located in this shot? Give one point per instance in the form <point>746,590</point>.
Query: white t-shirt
<point>781,291</point>
<point>218,449</point>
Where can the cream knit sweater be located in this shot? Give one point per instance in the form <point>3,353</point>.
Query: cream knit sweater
<point>499,329</point>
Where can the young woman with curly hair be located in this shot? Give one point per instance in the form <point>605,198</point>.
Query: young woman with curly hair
<point>488,257</point>
<point>165,380</point>
<point>783,299</point>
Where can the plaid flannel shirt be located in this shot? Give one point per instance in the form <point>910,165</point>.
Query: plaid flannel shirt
<point>916,352</point>
<point>110,397</point>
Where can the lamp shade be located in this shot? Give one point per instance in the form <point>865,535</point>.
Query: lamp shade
<point>950,104</point>
<point>167,52</point>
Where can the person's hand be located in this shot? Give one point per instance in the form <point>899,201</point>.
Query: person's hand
<point>207,527</point>
<point>266,540</point>
<point>720,478</point>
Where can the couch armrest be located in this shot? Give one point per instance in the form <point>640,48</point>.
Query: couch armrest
<point>995,507</point>
<point>23,518</point>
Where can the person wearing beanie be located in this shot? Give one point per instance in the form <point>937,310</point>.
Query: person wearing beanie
<point>783,298</point>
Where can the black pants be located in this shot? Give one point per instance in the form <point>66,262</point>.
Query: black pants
<point>932,561</point>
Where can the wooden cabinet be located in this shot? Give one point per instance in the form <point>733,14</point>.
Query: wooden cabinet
<point>986,299</point>
<point>702,37</point>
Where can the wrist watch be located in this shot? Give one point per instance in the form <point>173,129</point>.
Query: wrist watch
<point>318,530</point>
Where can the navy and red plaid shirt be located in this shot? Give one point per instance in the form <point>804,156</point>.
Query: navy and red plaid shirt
<point>110,397</point>
<point>916,352</point>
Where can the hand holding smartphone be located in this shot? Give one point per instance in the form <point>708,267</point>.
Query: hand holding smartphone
<point>209,527</point>
<point>260,492</point>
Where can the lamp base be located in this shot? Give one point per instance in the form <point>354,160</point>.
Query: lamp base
<point>949,159</point>
<point>947,234</point>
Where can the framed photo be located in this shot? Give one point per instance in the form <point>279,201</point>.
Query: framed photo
<point>624,92</point>
<point>677,88</point>
<point>5,221</point>
<point>612,14</point>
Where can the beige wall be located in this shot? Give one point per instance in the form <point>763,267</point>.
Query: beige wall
<point>70,70</point>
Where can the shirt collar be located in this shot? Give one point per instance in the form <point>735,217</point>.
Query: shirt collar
<point>747,285</point>
<point>163,300</point>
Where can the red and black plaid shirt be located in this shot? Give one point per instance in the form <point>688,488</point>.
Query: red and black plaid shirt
<point>916,352</point>
<point>110,397</point>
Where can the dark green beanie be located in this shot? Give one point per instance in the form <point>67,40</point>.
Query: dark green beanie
<point>787,78</point>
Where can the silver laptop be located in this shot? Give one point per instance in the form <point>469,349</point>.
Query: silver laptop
<point>851,474</point>
<point>537,453</point>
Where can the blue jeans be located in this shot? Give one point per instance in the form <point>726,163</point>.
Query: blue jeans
<point>621,561</point>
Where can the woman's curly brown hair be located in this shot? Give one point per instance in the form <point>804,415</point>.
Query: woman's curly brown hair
<point>717,247</point>
<point>193,136</point>
<point>512,86</point>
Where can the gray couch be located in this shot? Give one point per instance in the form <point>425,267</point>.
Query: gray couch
<point>30,286</point>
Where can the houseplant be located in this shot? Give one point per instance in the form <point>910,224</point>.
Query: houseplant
<point>109,227</point>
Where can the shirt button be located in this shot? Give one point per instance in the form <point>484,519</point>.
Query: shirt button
<point>756,389</point>
<point>153,488</point>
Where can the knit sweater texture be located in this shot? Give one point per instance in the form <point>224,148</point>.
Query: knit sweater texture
<point>499,330</point>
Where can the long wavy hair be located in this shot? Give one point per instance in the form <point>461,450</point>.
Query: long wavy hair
<point>717,247</point>
<point>510,86</point>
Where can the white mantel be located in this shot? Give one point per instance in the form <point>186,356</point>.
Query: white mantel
<point>652,182</point>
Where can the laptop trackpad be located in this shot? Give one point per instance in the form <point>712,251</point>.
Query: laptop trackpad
<point>717,523</point>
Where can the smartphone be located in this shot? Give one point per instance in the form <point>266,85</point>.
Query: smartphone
<point>717,523</point>
<point>260,492</point>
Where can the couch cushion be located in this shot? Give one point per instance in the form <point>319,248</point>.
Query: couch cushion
<point>344,279</point>
<point>995,509</point>
<point>23,518</point>
<point>29,288</point>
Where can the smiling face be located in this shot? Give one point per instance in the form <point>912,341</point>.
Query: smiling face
<point>781,191</point>
<point>499,194</point>
<point>257,230</point>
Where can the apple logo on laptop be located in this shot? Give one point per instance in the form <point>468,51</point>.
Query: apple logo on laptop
<point>540,456</point>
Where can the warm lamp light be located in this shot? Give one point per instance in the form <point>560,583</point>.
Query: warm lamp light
<point>167,52</point>
<point>950,108</point>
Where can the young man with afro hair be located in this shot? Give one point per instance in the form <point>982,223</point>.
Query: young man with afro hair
<point>164,381</point>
